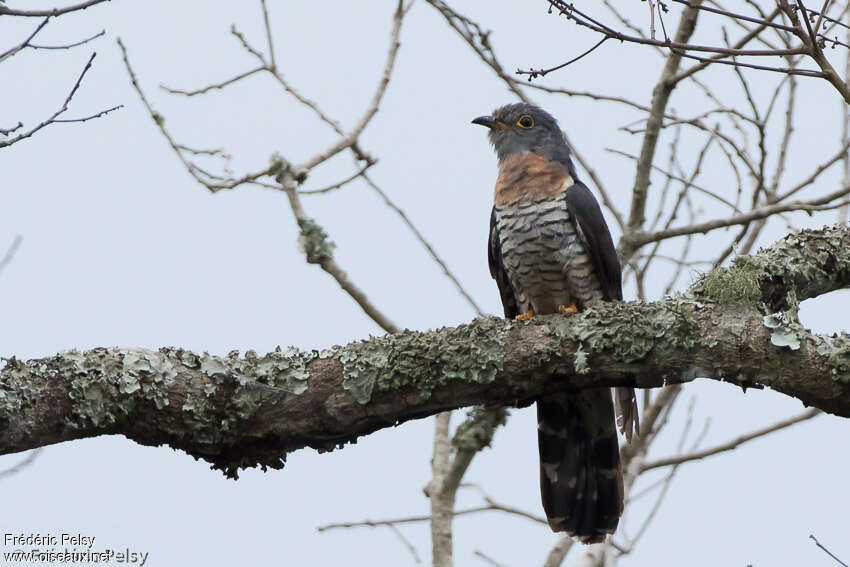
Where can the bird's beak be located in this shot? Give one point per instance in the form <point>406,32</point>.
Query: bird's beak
<point>490,122</point>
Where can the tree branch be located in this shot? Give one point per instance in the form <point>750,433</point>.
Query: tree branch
<point>54,118</point>
<point>660,97</point>
<point>730,445</point>
<point>735,325</point>
<point>52,12</point>
<point>10,253</point>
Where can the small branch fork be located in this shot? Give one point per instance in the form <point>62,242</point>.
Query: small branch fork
<point>811,40</point>
<point>27,43</point>
<point>54,118</point>
<point>347,141</point>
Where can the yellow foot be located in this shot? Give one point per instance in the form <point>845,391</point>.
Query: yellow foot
<point>567,311</point>
<point>525,316</point>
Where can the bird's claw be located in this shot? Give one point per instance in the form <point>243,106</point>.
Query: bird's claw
<point>567,311</point>
<point>525,316</point>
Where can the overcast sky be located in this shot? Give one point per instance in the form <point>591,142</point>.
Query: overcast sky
<point>121,248</point>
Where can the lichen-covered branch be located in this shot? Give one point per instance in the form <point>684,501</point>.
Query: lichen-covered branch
<point>736,325</point>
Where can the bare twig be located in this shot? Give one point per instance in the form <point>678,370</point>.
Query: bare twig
<point>329,265</point>
<point>534,73</point>
<point>338,184</point>
<point>69,45</point>
<point>844,212</point>
<point>351,137</point>
<point>687,184</point>
<point>7,131</point>
<point>269,37</point>
<point>54,12</point>
<point>30,458</point>
<point>417,519</point>
<point>732,444</point>
<point>427,245</point>
<point>406,542</point>
<point>213,86</point>
<point>660,98</point>
<point>828,552</point>
<point>825,203</point>
<point>487,559</point>
<point>54,117</point>
<point>491,506</point>
<point>24,44</point>
<point>90,117</point>
<point>10,252</point>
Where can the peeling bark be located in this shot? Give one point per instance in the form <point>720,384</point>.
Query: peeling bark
<point>737,325</point>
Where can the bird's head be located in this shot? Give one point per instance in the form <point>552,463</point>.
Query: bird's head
<point>519,128</point>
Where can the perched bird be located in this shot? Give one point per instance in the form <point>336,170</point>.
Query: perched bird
<point>549,251</point>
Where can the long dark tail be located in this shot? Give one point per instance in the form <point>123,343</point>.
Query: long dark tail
<point>580,477</point>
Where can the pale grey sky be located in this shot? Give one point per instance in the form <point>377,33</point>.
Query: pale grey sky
<point>121,247</point>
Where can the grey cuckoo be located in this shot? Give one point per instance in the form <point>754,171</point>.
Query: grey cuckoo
<point>549,251</point>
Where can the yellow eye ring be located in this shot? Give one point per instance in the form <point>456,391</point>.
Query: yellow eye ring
<point>525,122</point>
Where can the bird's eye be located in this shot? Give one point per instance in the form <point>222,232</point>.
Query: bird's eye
<point>525,122</point>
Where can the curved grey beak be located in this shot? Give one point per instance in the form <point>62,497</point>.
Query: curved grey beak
<point>489,122</point>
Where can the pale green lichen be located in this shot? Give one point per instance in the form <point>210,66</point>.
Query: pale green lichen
<point>213,365</point>
<point>198,422</point>
<point>471,353</point>
<point>284,172</point>
<point>836,350</point>
<point>188,359</point>
<point>776,279</point>
<point>12,388</point>
<point>811,261</point>
<point>314,243</point>
<point>148,371</point>
<point>629,331</point>
<point>361,369</point>
<point>735,285</point>
<point>93,383</point>
<point>785,330</point>
<point>276,164</point>
<point>258,379</point>
<point>20,388</point>
<point>127,384</point>
<point>476,432</point>
<point>580,361</point>
<point>286,370</point>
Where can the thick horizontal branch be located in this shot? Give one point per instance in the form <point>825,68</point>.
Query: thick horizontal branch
<point>736,325</point>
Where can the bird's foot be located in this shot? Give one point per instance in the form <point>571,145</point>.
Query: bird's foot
<point>525,316</point>
<point>567,311</point>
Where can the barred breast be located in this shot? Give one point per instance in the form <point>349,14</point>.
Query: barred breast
<point>544,256</point>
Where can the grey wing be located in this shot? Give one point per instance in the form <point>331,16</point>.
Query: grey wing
<point>593,230</point>
<point>497,270</point>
